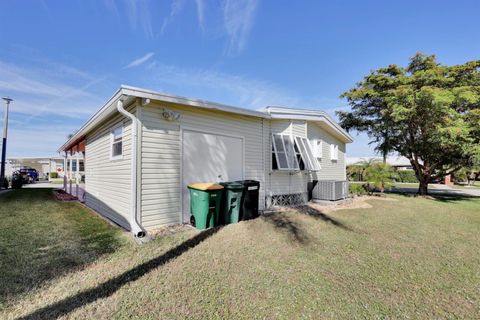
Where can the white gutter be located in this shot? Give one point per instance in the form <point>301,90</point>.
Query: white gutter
<point>135,227</point>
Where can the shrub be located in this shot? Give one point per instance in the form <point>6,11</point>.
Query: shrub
<point>53,175</point>
<point>357,189</point>
<point>407,176</point>
<point>380,175</point>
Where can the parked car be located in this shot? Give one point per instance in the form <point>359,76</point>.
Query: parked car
<point>29,175</point>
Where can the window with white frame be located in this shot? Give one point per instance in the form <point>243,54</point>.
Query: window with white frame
<point>334,152</point>
<point>317,148</point>
<point>311,163</point>
<point>116,137</point>
<point>283,153</point>
<point>292,153</point>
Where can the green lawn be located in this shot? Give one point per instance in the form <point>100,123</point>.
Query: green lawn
<point>405,258</point>
<point>476,184</point>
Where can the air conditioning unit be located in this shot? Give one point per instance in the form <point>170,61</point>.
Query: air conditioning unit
<point>330,190</point>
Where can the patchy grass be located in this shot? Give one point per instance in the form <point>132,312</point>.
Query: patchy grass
<point>42,239</point>
<point>409,258</point>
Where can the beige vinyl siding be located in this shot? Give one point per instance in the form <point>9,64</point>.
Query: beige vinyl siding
<point>107,181</point>
<point>330,169</point>
<point>285,182</point>
<point>161,148</point>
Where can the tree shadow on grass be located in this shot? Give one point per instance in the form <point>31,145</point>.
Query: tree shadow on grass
<point>282,221</point>
<point>317,214</point>
<point>109,287</point>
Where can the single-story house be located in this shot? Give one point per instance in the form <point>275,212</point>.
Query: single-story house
<point>142,149</point>
<point>397,162</point>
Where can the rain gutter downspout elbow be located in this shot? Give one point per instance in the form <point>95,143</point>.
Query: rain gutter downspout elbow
<point>135,227</point>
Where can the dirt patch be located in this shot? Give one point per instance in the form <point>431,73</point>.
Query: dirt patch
<point>168,230</point>
<point>61,195</point>
<point>355,203</point>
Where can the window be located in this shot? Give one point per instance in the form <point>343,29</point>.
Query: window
<point>317,148</point>
<point>283,153</point>
<point>292,153</point>
<point>334,152</point>
<point>309,159</point>
<point>74,165</point>
<point>117,145</point>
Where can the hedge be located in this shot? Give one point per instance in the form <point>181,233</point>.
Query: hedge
<point>406,176</point>
<point>53,175</point>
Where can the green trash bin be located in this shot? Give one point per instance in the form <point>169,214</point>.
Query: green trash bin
<point>205,204</point>
<point>231,202</point>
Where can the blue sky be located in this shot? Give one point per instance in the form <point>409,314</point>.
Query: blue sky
<point>60,60</point>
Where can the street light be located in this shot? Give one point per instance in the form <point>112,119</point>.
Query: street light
<point>4,142</point>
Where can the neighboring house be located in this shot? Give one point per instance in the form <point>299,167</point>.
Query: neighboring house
<point>44,165</point>
<point>143,148</point>
<point>398,162</point>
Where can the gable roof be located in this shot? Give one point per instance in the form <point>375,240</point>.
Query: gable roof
<point>129,93</point>
<point>317,116</point>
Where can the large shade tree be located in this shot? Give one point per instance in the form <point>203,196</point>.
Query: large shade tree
<point>427,112</point>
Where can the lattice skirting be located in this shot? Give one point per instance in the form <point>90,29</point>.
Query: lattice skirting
<point>281,200</point>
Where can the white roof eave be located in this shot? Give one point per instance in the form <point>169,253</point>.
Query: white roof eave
<point>271,112</point>
<point>309,115</point>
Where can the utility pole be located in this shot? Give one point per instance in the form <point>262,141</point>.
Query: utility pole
<point>4,141</point>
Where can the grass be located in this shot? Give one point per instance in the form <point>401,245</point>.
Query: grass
<point>476,184</point>
<point>405,258</point>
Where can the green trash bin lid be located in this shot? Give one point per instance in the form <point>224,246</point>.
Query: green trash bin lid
<point>232,185</point>
<point>205,186</point>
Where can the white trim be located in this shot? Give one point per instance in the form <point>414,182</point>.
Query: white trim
<point>112,142</point>
<point>308,115</point>
<point>129,93</point>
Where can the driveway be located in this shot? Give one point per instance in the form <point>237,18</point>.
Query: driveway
<point>72,191</point>
<point>443,190</point>
<point>42,185</point>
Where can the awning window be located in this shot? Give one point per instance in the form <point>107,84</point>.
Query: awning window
<point>292,153</point>
<point>311,163</point>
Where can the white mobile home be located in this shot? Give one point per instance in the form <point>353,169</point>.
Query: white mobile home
<point>142,149</point>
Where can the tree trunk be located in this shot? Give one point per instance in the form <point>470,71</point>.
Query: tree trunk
<point>423,187</point>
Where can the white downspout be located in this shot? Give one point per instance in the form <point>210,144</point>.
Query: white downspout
<point>135,227</point>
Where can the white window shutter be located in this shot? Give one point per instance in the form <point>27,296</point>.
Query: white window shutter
<point>317,148</point>
<point>334,151</point>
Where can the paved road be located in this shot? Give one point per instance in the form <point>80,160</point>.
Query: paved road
<point>443,190</point>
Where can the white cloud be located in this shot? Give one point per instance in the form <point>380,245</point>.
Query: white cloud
<point>238,16</point>
<point>176,7</point>
<point>217,86</point>
<point>37,141</point>
<point>201,13</point>
<point>140,61</point>
<point>138,15</point>
<point>50,89</point>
